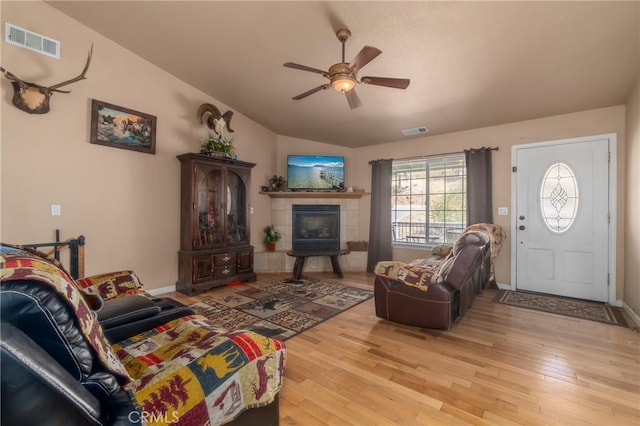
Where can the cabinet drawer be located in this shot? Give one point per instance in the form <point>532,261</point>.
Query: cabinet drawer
<point>224,271</point>
<point>222,259</point>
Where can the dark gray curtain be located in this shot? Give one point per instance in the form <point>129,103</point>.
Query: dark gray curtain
<point>380,221</point>
<point>479,199</point>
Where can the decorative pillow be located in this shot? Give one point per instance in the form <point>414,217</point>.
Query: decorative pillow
<point>112,284</point>
<point>441,250</point>
<point>431,264</point>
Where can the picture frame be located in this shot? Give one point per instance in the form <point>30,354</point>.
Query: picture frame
<point>120,127</point>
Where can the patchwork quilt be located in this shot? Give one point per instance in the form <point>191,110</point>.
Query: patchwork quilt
<point>189,372</point>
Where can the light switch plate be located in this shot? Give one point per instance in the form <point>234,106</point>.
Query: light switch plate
<point>503,211</point>
<point>56,210</point>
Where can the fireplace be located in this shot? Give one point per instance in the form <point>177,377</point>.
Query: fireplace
<point>315,227</point>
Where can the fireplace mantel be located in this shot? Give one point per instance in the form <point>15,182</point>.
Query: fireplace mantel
<point>281,216</point>
<point>318,194</point>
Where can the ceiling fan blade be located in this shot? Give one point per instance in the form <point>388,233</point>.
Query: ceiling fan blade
<point>303,68</point>
<point>396,83</point>
<point>311,92</point>
<point>353,98</point>
<point>366,55</point>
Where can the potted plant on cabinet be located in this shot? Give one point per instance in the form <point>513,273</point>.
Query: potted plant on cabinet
<point>217,146</point>
<point>271,236</point>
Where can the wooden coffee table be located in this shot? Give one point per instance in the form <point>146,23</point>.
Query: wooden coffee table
<point>301,256</point>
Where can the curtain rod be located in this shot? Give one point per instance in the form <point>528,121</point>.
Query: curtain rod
<point>496,148</point>
<point>380,159</point>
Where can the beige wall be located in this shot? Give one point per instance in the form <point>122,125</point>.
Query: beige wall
<point>606,120</point>
<point>126,203</point>
<point>632,223</point>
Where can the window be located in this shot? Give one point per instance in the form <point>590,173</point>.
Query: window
<point>559,197</point>
<point>429,200</point>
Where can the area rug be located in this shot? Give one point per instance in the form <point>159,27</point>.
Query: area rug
<point>566,306</point>
<point>281,309</point>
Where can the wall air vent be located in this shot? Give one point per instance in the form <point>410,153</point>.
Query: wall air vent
<point>32,41</point>
<point>415,131</point>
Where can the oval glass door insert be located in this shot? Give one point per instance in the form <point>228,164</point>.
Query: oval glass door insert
<point>559,197</point>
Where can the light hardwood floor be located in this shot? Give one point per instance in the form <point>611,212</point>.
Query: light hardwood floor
<point>498,365</point>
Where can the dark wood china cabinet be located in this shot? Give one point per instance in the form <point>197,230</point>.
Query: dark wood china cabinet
<point>214,223</point>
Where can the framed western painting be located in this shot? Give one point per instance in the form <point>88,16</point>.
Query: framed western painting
<point>120,127</point>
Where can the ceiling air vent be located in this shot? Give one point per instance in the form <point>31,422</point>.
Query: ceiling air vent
<point>32,41</point>
<point>415,131</point>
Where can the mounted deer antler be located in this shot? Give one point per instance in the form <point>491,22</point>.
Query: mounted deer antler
<point>34,98</point>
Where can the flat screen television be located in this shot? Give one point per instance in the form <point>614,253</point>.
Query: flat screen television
<point>315,173</point>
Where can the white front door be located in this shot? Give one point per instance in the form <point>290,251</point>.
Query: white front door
<point>562,218</point>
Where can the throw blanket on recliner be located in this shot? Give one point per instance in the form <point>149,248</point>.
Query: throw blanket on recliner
<point>496,236</point>
<point>417,273</point>
<point>18,264</point>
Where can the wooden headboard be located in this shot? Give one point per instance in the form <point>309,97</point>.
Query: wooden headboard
<point>76,252</point>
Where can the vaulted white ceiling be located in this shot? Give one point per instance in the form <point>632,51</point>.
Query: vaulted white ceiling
<point>471,64</point>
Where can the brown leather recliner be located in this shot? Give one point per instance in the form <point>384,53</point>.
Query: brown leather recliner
<point>410,297</point>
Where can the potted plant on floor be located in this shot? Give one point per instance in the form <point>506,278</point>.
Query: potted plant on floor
<point>271,236</point>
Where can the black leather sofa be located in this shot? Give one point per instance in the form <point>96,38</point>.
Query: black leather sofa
<point>48,378</point>
<point>50,371</point>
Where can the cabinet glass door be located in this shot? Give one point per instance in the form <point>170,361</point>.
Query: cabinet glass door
<point>236,209</point>
<point>209,219</point>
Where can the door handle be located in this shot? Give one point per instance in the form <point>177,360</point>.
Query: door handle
<point>521,227</point>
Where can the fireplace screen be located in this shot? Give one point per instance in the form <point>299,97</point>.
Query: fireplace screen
<point>315,227</point>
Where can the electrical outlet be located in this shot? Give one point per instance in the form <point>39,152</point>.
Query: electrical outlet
<point>56,210</point>
<point>503,211</point>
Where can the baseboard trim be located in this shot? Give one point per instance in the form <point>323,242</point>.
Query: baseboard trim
<point>503,286</point>
<point>161,290</point>
<point>635,317</point>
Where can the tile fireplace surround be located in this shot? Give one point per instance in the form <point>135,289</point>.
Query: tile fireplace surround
<point>281,215</point>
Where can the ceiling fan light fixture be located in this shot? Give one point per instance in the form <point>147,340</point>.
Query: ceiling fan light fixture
<point>343,76</point>
<point>343,83</point>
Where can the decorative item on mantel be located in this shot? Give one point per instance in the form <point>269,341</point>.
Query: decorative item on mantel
<point>217,144</point>
<point>270,237</point>
<point>276,183</point>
